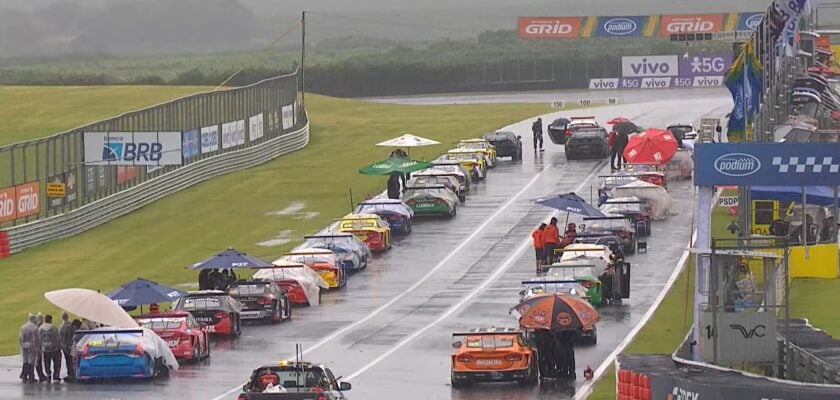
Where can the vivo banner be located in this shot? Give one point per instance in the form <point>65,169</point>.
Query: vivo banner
<point>705,64</point>
<point>649,66</point>
<point>133,148</point>
<point>655,83</point>
<point>774,164</point>
<point>603,83</point>
<point>621,26</point>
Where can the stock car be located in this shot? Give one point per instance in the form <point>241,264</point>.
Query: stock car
<point>431,200</point>
<point>261,299</point>
<point>507,144</point>
<point>482,145</point>
<point>456,168</point>
<point>299,380</point>
<point>613,181</point>
<point>369,228</point>
<point>612,225</point>
<point>586,142</point>
<point>557,130</point>
<point>431,179</point>
<point>113,353</point>
<point>325,262</point>
<point>473,161</point>
<point>187,338</point>
<point>543,284</point>
<point>462,179</point>
<point>297,281</point>
<point>352,252</point>
<point>395,212</point>
<point>215,309</point>
<point>682,131</point>
<point>492,355</point>
<point>614,243</point>
<point>632,207</point>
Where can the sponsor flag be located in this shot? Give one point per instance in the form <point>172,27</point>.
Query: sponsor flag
<point>780,23</point>
<point>744,80</point>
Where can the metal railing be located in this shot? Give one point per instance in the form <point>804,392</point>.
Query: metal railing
<point>808,355</point>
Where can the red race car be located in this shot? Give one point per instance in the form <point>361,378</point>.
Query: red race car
<point>215,309</point>
<point>187,339</point>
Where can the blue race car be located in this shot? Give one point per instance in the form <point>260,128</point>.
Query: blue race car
<point>396,212</point>
<point>122,354</point>
<point>352,252</point>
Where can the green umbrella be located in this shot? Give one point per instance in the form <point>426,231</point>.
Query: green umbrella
<point>396,164</point>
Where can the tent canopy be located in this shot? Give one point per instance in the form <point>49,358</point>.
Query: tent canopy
<point>817,195</point>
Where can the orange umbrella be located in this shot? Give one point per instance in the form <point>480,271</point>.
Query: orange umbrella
<point>556,312</point>
<point>653,146</point>
<point>617,120</point>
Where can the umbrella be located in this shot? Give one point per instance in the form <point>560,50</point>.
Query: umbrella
<point>556,312</point>
<point>653,146</point>
<point>141,291</point>
<point>617,120</point>
<point>231,258</point>
<point>93,306</point>
<point>570,203</point>
<point>395,164</point>
<point>626,128</point>
<point>408,140</point>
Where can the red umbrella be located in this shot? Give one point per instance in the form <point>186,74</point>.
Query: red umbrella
<point>617,120</point>
<point>653,146</point>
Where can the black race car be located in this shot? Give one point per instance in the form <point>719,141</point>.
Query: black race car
<point>261,300</point>
<point>557,130</point>
<point>614,243</point>
<point>507,144</point>
<point>587,143</point>
<point>293,381</point>
<point>619,226</point>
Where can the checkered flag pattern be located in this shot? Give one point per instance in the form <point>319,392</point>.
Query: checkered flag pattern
<point>800,165</point>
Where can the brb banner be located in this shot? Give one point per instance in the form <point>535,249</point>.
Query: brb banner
<point>133,148</point>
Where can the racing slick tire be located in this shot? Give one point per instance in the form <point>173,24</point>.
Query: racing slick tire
<point>276,313</point>
<point>406,228</point>
<point>160,370</point>
<point>196,353</point>
<point>518,155</point>
<point>288,310</point>
<point>236,329</point>
<point>452,213</point>
<point>533,375</point>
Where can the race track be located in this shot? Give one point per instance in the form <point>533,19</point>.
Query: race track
<point>388,332</point>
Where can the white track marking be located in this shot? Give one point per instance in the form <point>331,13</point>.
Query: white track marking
<point>478,231</point>
<point>509,261</point>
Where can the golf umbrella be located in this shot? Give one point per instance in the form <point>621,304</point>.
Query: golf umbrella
<point>653,146</point>
<point>395,164</point>
<point>626,128</point>
<point>231,258</point>
<point>408,140</point>
<point>556,312</point>
<point>570,203</point>
<point>617,120</point>
<point>141,292</point>
<point>91,305</point>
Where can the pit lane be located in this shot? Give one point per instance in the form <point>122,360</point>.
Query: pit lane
<point>390,328</point>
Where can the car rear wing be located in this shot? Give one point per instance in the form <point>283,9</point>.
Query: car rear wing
<point>337,235</point>
<point>580,118</point>
<point>554,282</point>
<point>110,332</point>
<point>426,187</point>
<point>378,203</point>
<point>561,251</point>
<point>604,218</point>
<point>624,202</point>
<point>500,331</point>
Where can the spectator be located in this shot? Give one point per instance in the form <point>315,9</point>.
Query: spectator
<point>28,343</point>
<point>66,333</point>
<point>551,240</point>
<point>51,349</point>
<point>569,235</point>
<point>537,129</point>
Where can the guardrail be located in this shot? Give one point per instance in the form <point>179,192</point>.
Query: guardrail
<point>88,216</point>
<point>807,354</point>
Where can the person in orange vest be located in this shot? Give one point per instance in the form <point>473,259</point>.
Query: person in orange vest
<point>551,240</point>
<point>569,236</point>
<point>154,309</point>
<point>538,245</point>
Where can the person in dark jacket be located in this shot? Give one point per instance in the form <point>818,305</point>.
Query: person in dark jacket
<point>621,140</point>
<point>51,348</point>
<point>611,144</point>
<point>66,333</point>
<point>204,280</point>
<point>567,342</point>
<point>545,351</point>
<point>215,279</point>
<point>394,187</point>
<point>537,129</point>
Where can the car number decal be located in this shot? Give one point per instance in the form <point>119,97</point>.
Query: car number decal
<point>94,343</point>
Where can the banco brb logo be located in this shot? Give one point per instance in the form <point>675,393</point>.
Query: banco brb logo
<point>117,150</point>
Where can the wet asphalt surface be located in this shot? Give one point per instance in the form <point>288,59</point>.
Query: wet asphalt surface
<point>389,331</point>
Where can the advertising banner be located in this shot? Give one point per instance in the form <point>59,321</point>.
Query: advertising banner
<point>621,26</point>
<point>209,139</point>
<point>749,21</point>
<point>8,205</point>
<point>549,27</point>
<point>28,199</point>
<point>649,66</point>
<point>61,189</point>
<point>695,23</point>
<point>190,147</point>
<point>133,148</point>
<point>656,83</point>
<point>233,134</point>
<point>708,81</point>
<point>756,164</point>
<point>603,83</point>
<point>125,174</point>
<point>256,127</point>
<point>288,117</point>
<point>705,64</point>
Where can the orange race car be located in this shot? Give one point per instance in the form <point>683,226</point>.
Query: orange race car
<point>493,355</point>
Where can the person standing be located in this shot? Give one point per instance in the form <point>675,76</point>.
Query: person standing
<point>537,129</point>
<point>66,333</point>
<point>28,343</point>
<point>39,367</point>
<point>718,133</point>
<point>611,144</point>
<point>51,349</point>
<point>551,240</point>
<point>621,140</point>
<point>537,235</point>
<point>394,186</point>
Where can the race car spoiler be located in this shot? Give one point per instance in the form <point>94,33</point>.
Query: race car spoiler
<point>603,218</point>
<point>554,282</point>
<point>500,331</point>
<point>336,235</point>
<point>625,202</point>
<point>109,332</point>
<point>376,203</point>
<point>579,118</point>
<point>426,187</point>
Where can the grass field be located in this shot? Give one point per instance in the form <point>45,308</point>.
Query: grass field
<point>281,200</point>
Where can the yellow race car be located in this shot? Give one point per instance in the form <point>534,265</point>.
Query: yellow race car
<point>369,228</point>
<point>473,160</point>
<point>482,145</point>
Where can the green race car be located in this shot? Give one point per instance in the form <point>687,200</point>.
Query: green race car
<point>431,200</point>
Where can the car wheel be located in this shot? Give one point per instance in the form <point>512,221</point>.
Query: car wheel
<point>288,310</point>
<point>206,346</point>
<point>236,328</point>
<point>276,313</point>
<point>407,226</point>
<point>453,212</point>
<point>196,352</point>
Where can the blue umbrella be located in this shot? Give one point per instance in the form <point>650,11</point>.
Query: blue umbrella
<point>231,258</point>
<point>141,292</point>
<point>572,204</point>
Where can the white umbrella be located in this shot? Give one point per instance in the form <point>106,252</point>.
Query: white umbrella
<point>408,140</point>
<point>93,306</point>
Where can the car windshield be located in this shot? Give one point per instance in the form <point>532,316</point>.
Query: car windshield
<point>248,289</point>
<point>498,137</point>
<point>202,303</point>
<point>157,324</point>
<point>680,130</point>
<point>608,224</point>
<point>483,342</point>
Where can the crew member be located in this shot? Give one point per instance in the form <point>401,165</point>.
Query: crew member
<point>66,333</point>
<point>154,308</point>
<point>551,240</point>
<point>28,343</point>
<point>567,341</point>
<point>621,140</point>
<point>394,186</point>
<point>611,144</point>
<point>50,349</point>
<point>569,236</point>
<point>537,235</point>
<point>537,129</point>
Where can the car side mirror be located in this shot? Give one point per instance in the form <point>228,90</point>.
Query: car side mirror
<point>344,386</point>
<point>456,344</point>
<point>518,137</point>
